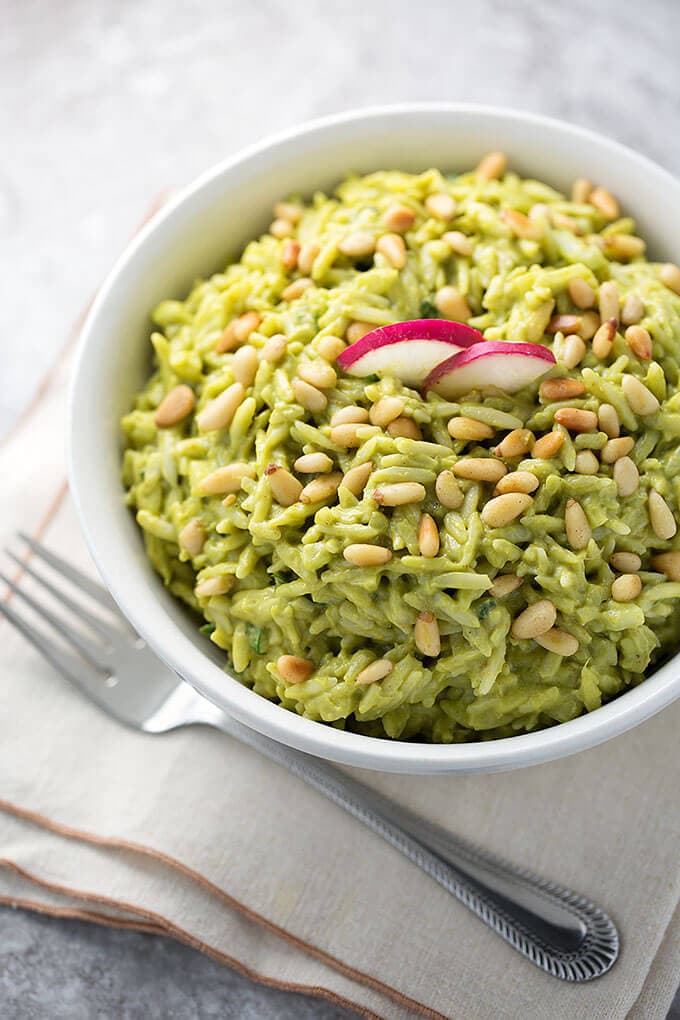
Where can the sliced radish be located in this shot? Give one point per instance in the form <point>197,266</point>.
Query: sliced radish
<point>408,350</point>
<point>496,364</point>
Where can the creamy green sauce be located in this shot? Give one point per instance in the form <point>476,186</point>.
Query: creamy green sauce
<point>288,590</point>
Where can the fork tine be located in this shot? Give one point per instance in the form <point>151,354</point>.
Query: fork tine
<point>100,626</point>
<point>68,665</point>
<point>95,590</point>
<point>86,647</point>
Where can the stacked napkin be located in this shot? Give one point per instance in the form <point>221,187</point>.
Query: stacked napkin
<point>194,836</point>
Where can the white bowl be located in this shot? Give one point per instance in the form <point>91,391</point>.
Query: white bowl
<point>195,234</point>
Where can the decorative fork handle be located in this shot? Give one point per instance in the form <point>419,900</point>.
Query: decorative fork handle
<point>560,931</point>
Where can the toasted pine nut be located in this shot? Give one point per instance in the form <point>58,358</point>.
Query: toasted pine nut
<point>548,446</point>
<point>459,243</point>
<point>399,218</point>
<point>563,222</point>
<point>561,389</point>
<point>661,516</point>
<point>517,481</point>
<point>244,365</point>
<point>313,464</point>
<point>623,246</point>
<point>668,563</point>
<point>608,301</point>
<point>640,400</point>
<point>285,487</point>
<point>220,411</point>
<point>274,349</point>
<point>404,428</point>
<point>564,324</point>
<point>468,429</point>
<point>605,202</point>
<point>581,293</point>
<point>640,342</point>
<point>608,420</point>
<point>535,620</point>
<point>586,463</point>
<point>307,257</point>
<point>329,347</point>
<point>603,340</point>
<point>576,525</point>
<point>626,476</point>
<point>318,373</point>
<point>356,330</point>
<point>520,224</point>
<point>192,537</point>
<point>614,449</point>
<point>352,413</point>
<point>441,206</point>
<point>580,190</point>
<point>399,493</point>
<point>504,584</point>
<point>226,479</point>
<point>502,510</point>
<point>428,536</point>
<point>480,469</point>
<point>357,245</point>
<point>238,331</point>
<point>290,250</point>
<point>625,562</point>
<point>573,351</point>
<point>626,587</point>
<point>366,555</point>
<point>310,398</point>
<point>376,670</point>
<point>281,228</point>
<point>452,304</point>
<point>492,166</point>
<point>296,289</point>
<point>590,323</point>
<point>557,641</point>
<point>426,635</point>
<point>392,247</point>
<point>385,410</point>
<point>288,211</point>
<point>515,444</point>
<point>633,310</point>
<point>321,488</point>
<point>356,478</point>
<point>670,276</point>
<point>293,669</point>
<point>575,419</point>
<point>448,490</point>
<point>175,407</point>
<point>346,435</point>
<point>211,586</point>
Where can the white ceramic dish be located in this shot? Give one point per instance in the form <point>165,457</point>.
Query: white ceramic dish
<point>195,234</point>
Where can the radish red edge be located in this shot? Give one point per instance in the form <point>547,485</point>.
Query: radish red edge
<point>500,364</point>
<point>408,350</point>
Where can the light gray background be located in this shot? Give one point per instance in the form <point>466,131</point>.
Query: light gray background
<point>105,104</point>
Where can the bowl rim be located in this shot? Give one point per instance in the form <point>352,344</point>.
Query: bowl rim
<point>626,711</point>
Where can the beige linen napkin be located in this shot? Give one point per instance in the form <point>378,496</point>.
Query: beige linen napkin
<point>192,835</point>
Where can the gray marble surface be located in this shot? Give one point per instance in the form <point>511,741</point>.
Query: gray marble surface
<point>105,104</point>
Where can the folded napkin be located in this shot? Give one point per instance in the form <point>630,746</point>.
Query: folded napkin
<point>194,836</point>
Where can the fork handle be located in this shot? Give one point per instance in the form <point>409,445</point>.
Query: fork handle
<point>559,930</point>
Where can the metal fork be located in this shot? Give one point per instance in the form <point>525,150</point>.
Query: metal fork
<point>559,930</point>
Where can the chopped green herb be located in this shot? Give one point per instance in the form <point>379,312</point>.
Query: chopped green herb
<point>485,607</point>
<point>208,629</point>
<point>255,637</point>
<point>428,309</point>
